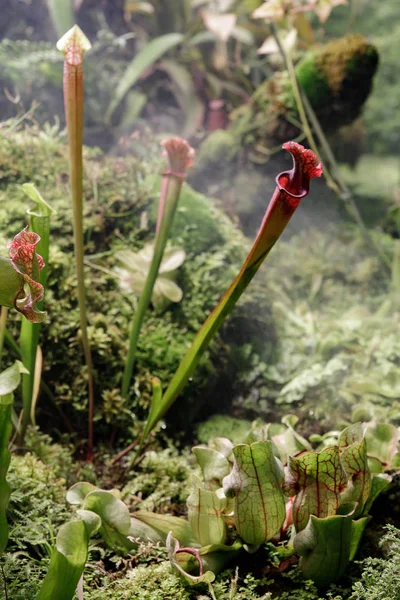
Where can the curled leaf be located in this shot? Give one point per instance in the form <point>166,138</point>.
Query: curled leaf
<point>182,559</point>
<point>28,264</point>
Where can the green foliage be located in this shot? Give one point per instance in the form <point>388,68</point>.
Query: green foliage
<point>9,381</point>
<point>117,191</point>
<point>379,579</point>
<point>146,58</point>
<point>68,559</point>
<point>329,493</point>
<point>37,504</point>
<point>223,426</point>
<point>334,322</point>
<point>161,482</point>
<point>146,582</point>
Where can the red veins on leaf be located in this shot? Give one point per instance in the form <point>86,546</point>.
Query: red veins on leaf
<point>28,264</point>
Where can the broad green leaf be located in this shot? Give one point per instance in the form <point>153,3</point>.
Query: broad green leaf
<point>206,510</point>
<point>10,282</point>
<point>10,378</point>
<point>324,546</point>
<point>134,104</point>
<point>181,560</point>
<point>115,518</point>
<point>382,442</point>
<point>134,276</point>
<point>144,532</point>
<point>62,15</point>
<point>67,562</point>
<point>353,447</point>
<point>173,258</point>
<point>186,95</point>
<point>135,261</point>
<point>243,35</point>
<point>213,464</point>
<point>149,55</point>
<point>167,288</point>
<point>163,524</point>
<point>317,480</point>
<point>91,519</point>
<point>255,482</point>
<point>78,492</point>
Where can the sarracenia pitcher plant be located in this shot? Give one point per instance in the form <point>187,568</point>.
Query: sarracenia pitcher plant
<point>180,158</point>
<point>291,187</point>
<point>73,45</point>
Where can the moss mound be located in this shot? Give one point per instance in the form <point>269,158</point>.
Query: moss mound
<point>338,79</point>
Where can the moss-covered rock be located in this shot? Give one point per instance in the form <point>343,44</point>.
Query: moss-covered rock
<point>338,79</point>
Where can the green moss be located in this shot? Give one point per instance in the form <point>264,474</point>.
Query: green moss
<point>146,582</point>
<point>223,426</point>
<point>380,577</point>
<point>161,484</point>
<point>37,505</point>
<point>338,78</point>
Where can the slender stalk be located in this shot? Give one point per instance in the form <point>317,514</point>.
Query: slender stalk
<point>180,158</point>
<point>291,187</point>
<point>74,44</point>
<point>3,323</point>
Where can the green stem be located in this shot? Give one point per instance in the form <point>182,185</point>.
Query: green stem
<point>170,190</point>
<point>3,323</point>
